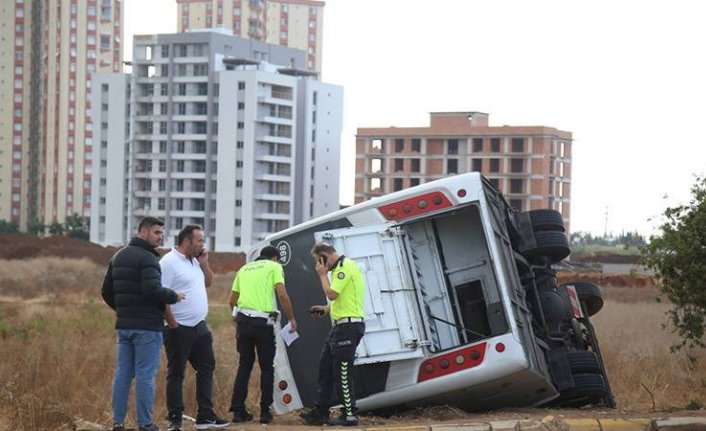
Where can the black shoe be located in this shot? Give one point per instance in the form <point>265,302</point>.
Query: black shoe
<point>174,424</point>
<point>212,422</point>
<point>315,416</point>
<point>118,427</point>
<point>150,427</point>
<point>243,416</point>
<point>344,421</point>
<point>265,416</point>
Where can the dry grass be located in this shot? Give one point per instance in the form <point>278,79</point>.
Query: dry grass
<point>57,340</point>
<point>636,351</point>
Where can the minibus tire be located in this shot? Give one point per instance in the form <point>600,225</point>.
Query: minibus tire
<point>552,245</point>
<point>589,388</point>
<point>584,362</point>
<point>546,220</point>
<point>590,294</point>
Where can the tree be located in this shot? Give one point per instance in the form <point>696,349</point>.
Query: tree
<point>35,227</point>
<point>76,227</point>
<point>74,222</point>
<point>56,228</point>
<point>9,226</point>
<point>678,257</point>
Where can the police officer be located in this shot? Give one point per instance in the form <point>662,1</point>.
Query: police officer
<point>253,293</point>
<point>345,292</point>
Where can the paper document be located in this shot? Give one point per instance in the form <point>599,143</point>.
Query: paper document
<point>287,336</point>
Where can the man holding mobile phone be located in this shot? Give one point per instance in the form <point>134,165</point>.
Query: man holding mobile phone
<point>345,291</point>
<point>185,269</point>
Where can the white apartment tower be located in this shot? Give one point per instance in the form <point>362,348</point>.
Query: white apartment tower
<point>48,53</point>
<point>294,23</point>
<point>228,133</point>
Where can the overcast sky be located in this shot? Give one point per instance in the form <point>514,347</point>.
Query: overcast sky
<point>627,78</point>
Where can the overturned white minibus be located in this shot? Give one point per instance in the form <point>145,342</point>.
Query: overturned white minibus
<point>462,304</point>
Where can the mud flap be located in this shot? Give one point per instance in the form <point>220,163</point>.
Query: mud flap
<point>560,369</point>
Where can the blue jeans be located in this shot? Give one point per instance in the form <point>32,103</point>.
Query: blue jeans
<point>138,357</point>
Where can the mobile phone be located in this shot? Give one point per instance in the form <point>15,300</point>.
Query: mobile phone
<point>323,259</point>
<point>315,311</point>
<point>201,252</point>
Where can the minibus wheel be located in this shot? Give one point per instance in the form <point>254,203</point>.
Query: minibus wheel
<point>546,220</point>
<point>589,294</point>
<point>584,362</point>
<point>550,245</point>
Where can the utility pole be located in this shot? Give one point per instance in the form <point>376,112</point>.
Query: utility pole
<point>605,228</point>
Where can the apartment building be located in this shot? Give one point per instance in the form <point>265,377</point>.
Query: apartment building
<point>228,133</point>
<point>48,51</point>
<point>530,165</point>
<point>294,23</point>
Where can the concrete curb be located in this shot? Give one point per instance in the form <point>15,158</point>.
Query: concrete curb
<point>551,424</point>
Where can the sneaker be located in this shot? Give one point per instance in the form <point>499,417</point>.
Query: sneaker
<point>265,416</point>
<point>315,416</point>
<point>118,427</point>
<point>344,421</point>
<point>211,423</point>
<point>174,424</point>
<point>150,427</point>
<point>243,416</point>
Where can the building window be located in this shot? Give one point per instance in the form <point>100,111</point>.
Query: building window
<point>399,165</point>
<point>241,125</point>
<point>241,85</point>
<point>516,186</point>
<point>161,203</point>
<point>494,145</point>
<point>452,146</point>
<point>518,145</point>
<point>398,184</point>
<point>516,165</point>
<point>495,183</point>
<point>413,182</point>
<point>494,165</point>
<point>415,165</point>
<point>416,145</point>
<point>179,204</point>
<point>516,203</point>
<point>477,165</point>
<point>377,145</point>
<point>452,166</point>
<point>162,167</point>
<point>179,185</point>
<point>477,145</point>
<point>399,145</point>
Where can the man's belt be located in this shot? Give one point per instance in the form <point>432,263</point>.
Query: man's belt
<point>347,320</point>
<point>254,313</point>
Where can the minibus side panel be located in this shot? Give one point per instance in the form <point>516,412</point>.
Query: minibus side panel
<point>304,288</point>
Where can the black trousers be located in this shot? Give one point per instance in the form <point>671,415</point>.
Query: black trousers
<point>194,345</point>
<point>336,366</point>
<point>253,334</point>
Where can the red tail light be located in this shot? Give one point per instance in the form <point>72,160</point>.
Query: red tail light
<point>415,206</point>
<point>451,362</point>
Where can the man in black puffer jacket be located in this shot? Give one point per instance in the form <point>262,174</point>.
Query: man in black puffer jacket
<point>133,289</point>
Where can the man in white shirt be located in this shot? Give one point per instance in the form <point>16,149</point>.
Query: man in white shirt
<point>185,269</point>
